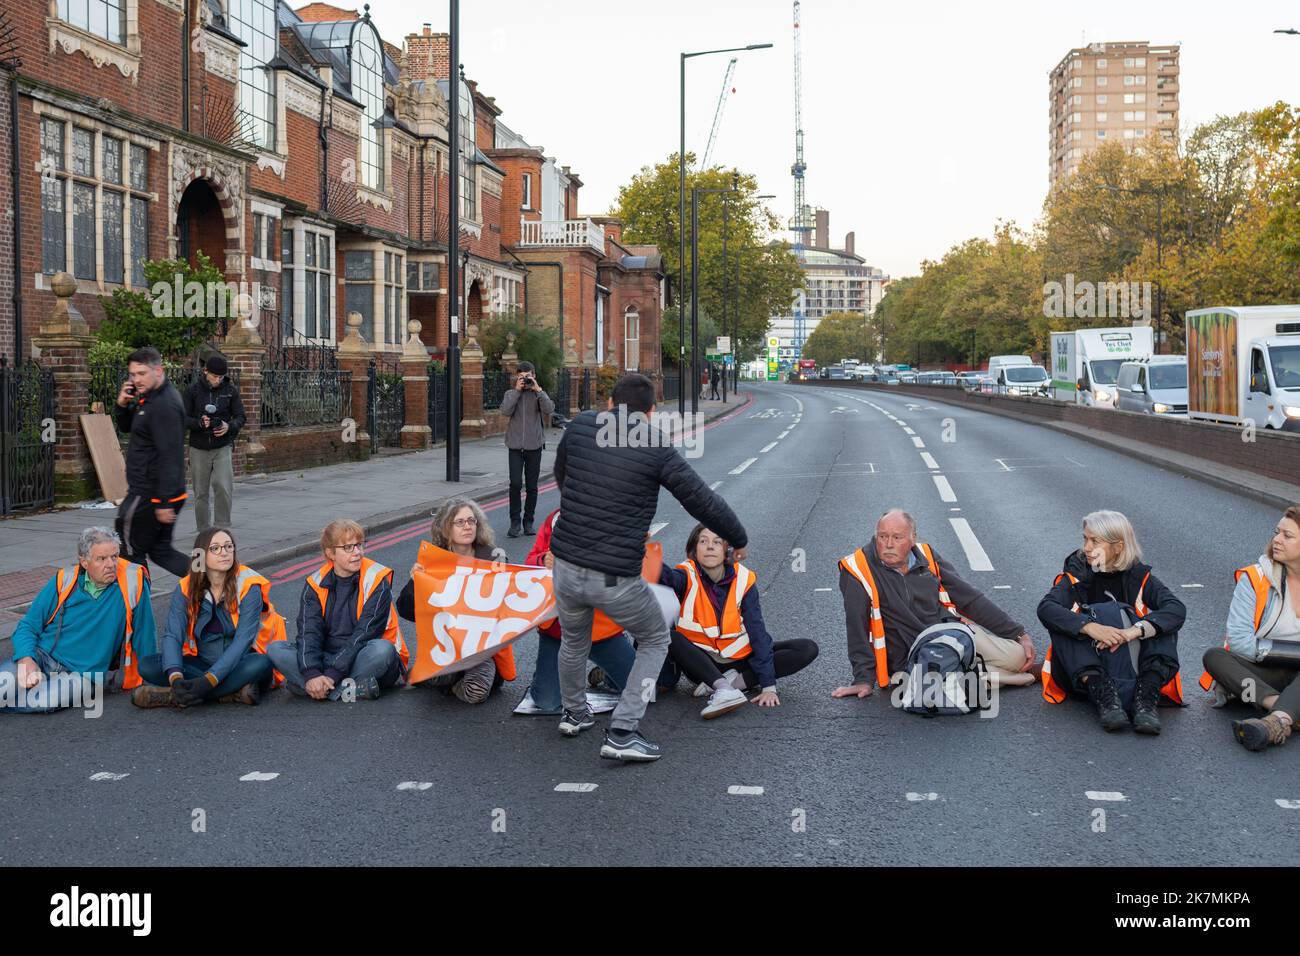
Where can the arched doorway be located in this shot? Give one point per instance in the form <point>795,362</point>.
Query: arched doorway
<point>201,225</point>
<point>474,305</point>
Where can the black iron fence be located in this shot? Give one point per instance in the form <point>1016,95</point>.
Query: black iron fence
<point>106,381</point>
<point>386,407</point>
<point>563,390</point>
<point>438,378</point>
<point>584,390</point>
<point>299,397</point>
<point>26,437</point>
<point>495,385</point>
<point>672,386</point>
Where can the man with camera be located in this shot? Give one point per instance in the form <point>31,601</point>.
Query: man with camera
<point>214,415</point>
<point>528,409</point>
<point>150,410</point>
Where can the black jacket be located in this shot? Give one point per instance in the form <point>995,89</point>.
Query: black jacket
<point>609,496</point>
<point>155,452</point>
<point>229,410</point>
<point>1164,611</point>
<point>909,603</point>
<point>322,652</point>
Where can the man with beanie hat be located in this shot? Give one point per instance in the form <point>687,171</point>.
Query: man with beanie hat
<point>214,415</point>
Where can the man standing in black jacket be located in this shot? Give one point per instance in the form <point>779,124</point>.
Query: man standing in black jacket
<point>149,409</point>
<point>212,440</point>
<point>609,474</point>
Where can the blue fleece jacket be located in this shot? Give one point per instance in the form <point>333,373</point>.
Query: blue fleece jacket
<point>93,628</point>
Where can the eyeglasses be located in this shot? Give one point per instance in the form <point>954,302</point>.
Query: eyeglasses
<point>353,547</point>
<point>466,522</point>
<point>221,549</point>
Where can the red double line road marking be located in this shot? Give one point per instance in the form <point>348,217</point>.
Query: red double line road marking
<point>406,532</point>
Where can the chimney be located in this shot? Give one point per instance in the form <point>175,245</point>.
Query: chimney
<point>821,236</point>
<point>848,243</point>
<point>428,55</point>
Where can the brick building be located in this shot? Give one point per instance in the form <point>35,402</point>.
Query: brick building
<point>308,157</point>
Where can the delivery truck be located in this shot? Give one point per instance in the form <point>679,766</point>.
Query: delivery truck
<point>1085,362</point>
<point>1243,365</point>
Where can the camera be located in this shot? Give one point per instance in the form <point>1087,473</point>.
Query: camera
<point>210,410</point>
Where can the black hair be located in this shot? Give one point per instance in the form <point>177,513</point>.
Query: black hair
<point>635,391</point>
<point>146,356</point>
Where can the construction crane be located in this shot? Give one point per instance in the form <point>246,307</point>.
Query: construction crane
<point>801,225</point>
<point>717,116</point>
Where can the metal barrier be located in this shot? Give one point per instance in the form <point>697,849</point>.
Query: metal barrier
<point>26,422</point>
<point>672,386</point>
<point>299,397</point>
<point>563,390</point>
<point>438,379</point>
<point>386,407</point>
<point>584,391</point>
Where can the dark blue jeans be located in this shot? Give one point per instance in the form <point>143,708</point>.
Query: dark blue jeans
<point>253,668</point>
<point>377,658</point>
<point>614,655</point>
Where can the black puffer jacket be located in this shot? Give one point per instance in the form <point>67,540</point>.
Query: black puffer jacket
<point>229,410</point>
<point>609,495</point>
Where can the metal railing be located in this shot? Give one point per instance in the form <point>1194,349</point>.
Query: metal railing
<point>26,422</point>
<point>584,390</point>
<point>106,381</point>
<point>437,402</point>
<point>299,397</point>
<point>563,390</point>
<point>561,232</point>
<point>495,386</point>
<point>672,386</point>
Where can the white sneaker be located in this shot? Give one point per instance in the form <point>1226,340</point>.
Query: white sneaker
<point>734,679</point>
<point>703,690</point>
<point>722,701</point>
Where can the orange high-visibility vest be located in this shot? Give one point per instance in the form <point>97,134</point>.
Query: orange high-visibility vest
<point>1054,693</point>
<point>857,565</point>
<point>1259,583</point>
<point>698,621</point>
<point>272,628</point>
<point>371,573</point>
<point>130,581</point>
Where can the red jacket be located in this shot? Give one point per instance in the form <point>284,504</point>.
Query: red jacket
<point>541,545</point>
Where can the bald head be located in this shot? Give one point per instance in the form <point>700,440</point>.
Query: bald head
<point>895,538</point>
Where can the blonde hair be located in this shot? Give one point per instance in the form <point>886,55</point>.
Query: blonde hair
<point>338,530</point>
<point>1113,527</point>
<point>440,533</point>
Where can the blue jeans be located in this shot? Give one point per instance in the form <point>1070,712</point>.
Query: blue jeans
<point>377,659</point>
<point>614,655</point>
<point>253,668</point>
<point>47,696</point>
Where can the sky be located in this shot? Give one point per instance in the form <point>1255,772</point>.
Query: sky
<point>925,122</point>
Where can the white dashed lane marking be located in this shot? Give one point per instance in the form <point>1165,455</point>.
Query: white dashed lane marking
<point>917,442</point>
<point>768,447</point>
<point>1002,587</point>
<point>743,465</point>
<point>822,589</point>
<point>258,776</point>
<point>1110,795</point>
<point>783,434</point>
<point>105,775</point>
<point>909,431</point>
<point>975,553</point>
<point>929,460</point>
<point>575,787</point>
<point>657,527</point>
<point>945,490</point>
<point>736,790</point>
<point>1288,804</point>
<point>1193,585</point>
<point>921,797</point>
<point>714,486</point>
<point>414,785</point>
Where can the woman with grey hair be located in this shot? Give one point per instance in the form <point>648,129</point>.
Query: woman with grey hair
<point>461,527</point>
<point>1094,593</point>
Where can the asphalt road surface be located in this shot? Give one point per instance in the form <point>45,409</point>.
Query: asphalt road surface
<point>808,470</point>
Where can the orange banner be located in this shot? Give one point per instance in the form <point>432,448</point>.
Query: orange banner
<point>468,610</point>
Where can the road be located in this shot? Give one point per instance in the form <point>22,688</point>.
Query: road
<point>808,470</point>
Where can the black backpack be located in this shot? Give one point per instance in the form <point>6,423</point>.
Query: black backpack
<point>1121,666</point>
<point>945,675</point>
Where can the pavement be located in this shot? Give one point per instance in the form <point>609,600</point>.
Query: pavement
<point>419,778</point>
<point>279,516</point>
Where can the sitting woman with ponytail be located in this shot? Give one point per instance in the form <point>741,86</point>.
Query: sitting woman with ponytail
<point>1260,663</point>
<point>721,626</point>
<point>214,644</point>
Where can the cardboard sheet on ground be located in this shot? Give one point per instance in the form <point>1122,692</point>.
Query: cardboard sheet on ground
<point>106,454</point>
<point>468,610</point>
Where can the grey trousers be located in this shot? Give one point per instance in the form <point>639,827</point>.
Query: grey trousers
<point>214,481</point>
<point>628,602</point>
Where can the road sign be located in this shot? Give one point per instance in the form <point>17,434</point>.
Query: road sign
<point>773,342</point>
<point>724,343</point>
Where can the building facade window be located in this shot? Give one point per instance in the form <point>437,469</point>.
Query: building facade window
<point>1102,117</point>
<point>89,181</point>
<point>394,298</point>
<point>468,157</point>
<point>527,201</point>
<point>1101,64</point>
<point>102,18</point>
<point>253,21</point>
<point>368,87</point>
<point>286,278</point>
<point>1103,81</point>
<point>632,340</point>
<point>1101,99</point>
<point>375,287</point>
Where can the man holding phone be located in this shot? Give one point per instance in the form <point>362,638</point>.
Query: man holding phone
<point>150,410</point>
<point>214,415</point>
<point>528,409</point>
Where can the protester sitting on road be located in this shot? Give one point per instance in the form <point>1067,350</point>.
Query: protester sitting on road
<point>611,653</point>
<point>461,527</point>
<point>1260,664</point>
<point>713,587</point>
<point>1105,575</point>
<point>894,588</point>
<point>219,626</point>
<point>609,491</point>
<point>347,627</point>
<point>85,617</point>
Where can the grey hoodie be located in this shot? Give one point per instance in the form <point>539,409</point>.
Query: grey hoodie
<point>529,413</point>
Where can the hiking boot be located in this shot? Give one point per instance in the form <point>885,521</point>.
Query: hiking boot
<point>628,745</point>
<point>248,694</point>
<point>515,529</point>
<point>1259,733</point>
<point>529,531</point>
<point>148,695</point>
<point>575,722</point>
<point>368,689</point>
<point>723,701</point>
<point>1146,698</point>
<point>1105,695</point>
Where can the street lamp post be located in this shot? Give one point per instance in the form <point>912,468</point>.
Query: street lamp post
<point>695,286</point>
<point>681,209</point>
<point>453,249</point>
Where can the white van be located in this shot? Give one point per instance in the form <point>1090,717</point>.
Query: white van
<point>998,362</point>
<point>1086,362</point>
<point>1243,364</point>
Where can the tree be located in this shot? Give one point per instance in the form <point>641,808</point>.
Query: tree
<point>537,342</point>
<point>769,273</point>
<point>838,336</point>
<point>184,307</point>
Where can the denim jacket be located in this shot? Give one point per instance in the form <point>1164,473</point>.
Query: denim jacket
<point>221,653</point>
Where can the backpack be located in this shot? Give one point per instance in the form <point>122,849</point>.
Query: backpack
<point>945,675</point>
<point>1120,666</point>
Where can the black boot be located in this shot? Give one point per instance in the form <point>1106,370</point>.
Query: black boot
<point>1105,695</point>
<point>529,531</point>
<point>515,529</point>
<point>1145,700</point>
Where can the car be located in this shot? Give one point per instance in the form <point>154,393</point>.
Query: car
<point>1153,386</point>
<point>1024,380</point>
<point>907,378</point>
